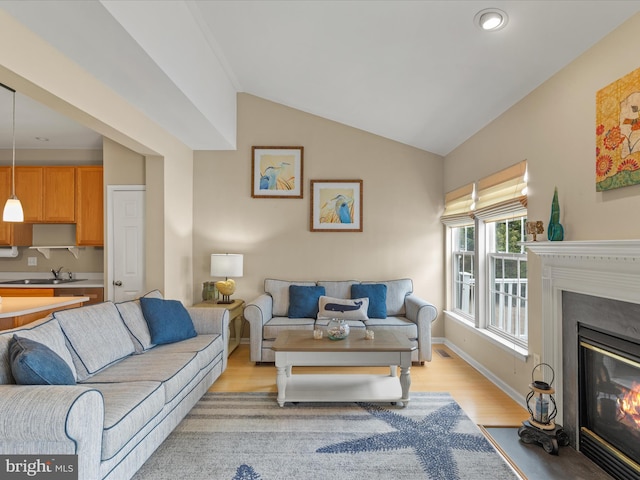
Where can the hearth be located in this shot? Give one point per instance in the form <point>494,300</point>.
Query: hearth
<point>609,401</point>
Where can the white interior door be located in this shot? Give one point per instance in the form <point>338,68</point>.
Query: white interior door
<point>126,247</point>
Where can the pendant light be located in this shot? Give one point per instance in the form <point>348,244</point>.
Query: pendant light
<point>13,208</point>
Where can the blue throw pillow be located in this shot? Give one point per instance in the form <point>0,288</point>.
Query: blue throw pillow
<point>377,295</point>
<point>303,301</point>
<point>33,363</point>
<point>168,320</point>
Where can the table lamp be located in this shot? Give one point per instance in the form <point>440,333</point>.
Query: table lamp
<point>226,265</point>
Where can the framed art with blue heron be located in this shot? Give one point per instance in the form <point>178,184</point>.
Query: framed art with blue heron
<point>336,205</point>
<point>276,172</point>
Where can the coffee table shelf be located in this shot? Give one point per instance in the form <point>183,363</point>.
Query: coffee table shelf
<point>299,348</point>
<point>344,388</point>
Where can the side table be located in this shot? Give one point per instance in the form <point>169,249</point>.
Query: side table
<point>235,316</point>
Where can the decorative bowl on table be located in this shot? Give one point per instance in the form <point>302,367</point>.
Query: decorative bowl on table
<point>337,329</point>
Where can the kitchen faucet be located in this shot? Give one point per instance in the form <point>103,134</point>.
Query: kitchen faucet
<point>56,273</point>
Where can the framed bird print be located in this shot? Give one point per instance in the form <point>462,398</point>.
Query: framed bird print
<point>336,205</point>
<point>276,172</point>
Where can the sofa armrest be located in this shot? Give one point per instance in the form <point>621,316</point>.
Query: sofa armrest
<point>258,312</point>
<point>211,321</point>
<point>53,419</point>
<point>423,314</point>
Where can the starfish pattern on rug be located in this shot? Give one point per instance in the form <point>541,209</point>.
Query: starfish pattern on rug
<point>432,439</point>
<point>245,472</point>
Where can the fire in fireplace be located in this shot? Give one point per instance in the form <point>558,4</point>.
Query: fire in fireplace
<point>609,407</point>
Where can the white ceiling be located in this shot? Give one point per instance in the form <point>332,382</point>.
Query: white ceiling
<point>419,72</point>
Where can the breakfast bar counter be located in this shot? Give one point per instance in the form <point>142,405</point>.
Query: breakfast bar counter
<point>17,311</point>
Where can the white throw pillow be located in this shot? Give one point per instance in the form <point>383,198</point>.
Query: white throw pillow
<point>347,309</point>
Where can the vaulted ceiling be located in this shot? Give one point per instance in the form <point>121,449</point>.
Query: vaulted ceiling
<point>418,72</point>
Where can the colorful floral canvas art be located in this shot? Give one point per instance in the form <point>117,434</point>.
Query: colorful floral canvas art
<point>618,133</point>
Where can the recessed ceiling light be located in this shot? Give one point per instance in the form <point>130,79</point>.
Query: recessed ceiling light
<point>491,19</point>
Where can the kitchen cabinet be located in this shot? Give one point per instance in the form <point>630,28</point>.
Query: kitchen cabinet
<point>90,206</point>
<point>47,194</point>
<point>12,234</point>
<point>26,292</point>
<point>95,294</point>
<point>29,191</point>
<point>58,193</point>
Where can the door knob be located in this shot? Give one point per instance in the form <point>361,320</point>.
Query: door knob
<point>117,283</point>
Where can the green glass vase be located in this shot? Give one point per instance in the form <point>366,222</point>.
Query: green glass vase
<point>555,231</point>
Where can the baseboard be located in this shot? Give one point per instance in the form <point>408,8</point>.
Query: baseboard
<point>515,396</point>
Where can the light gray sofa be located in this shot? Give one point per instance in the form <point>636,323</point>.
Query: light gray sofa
<point>405,314</point>
<point>129,395</point>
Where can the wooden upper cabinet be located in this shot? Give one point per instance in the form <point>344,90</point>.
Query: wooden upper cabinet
<point>90,206</point>
<point>29,191</point>
<point>12,234</point>
<point>47,194</point>
<point>59,194</point>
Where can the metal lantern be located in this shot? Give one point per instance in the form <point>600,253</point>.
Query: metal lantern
<point>540,401</point>
<point>541,427</point>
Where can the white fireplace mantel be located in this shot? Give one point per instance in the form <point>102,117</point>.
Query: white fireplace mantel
<point>611,249</point>
<point>602,268</point>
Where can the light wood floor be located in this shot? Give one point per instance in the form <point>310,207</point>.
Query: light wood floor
<point>481,400</point>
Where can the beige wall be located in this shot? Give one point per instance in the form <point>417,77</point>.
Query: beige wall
<point>554,130</point>
<point>402,203</point>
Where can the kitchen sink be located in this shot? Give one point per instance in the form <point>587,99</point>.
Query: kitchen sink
<point>41,281</point>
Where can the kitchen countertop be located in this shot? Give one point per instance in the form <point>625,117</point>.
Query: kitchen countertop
<point>16,306</point>
<point>93,280</point>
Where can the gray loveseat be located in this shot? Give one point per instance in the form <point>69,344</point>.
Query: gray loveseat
<point>405,313</point>
<point>128,393</point>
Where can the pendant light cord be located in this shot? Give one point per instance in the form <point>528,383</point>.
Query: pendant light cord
<point>13,162</point>
<point>13,135</point>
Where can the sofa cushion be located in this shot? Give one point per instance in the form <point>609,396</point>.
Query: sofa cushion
<point>377,295</point>
<point>303,301</point>
<point>400,325</point>
<point>347,309</point>
<point>279,291</point>
<point>353,324</point>
<point>273,327</point>
<point>206,347</point>
<point>168,320</point>
<point>131,313</point>
<point>46,331</point>
<point>174,370</point>
<point>397,290</point>
<point>337,289</point>
<point>128,407</point>
<point>33,363</point>
<point>96,336</point>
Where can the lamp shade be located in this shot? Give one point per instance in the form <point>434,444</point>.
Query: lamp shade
<point>226,264</point>
<point>13,211</point>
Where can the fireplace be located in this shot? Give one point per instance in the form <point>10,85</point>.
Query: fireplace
<point>609,401</point>
<point>591,338</point>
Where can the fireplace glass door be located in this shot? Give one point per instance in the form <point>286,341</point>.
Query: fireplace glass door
<point>610,402</point>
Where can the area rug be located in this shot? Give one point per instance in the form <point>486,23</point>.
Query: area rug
<point>247,436</point>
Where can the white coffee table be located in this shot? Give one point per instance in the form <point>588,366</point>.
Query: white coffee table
<point>299,348</point>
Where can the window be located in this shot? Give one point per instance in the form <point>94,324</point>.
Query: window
<point>488,262</point>
<point>507,264</point>
<point>463,270</point>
